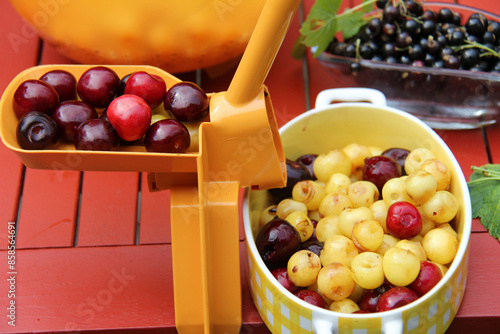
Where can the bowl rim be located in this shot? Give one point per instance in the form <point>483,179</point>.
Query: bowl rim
<point>463,242</point>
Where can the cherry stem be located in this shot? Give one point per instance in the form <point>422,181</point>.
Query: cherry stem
<point>491,174</point>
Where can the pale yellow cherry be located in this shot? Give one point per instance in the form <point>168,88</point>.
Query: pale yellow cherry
<point>363,193</point>
<point>367,270</point>
<point>327,164</point>
<point>416,158</point>
<point>401,266</point>
<point>287,206</point>
<point>344,306</point>
<point>303,268</point>
<point>338,249</point>
<point>440,171</point>
<point>335,281</point>
<point>440,246</point>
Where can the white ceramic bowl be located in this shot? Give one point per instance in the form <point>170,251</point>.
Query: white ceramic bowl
<point>330,126</point>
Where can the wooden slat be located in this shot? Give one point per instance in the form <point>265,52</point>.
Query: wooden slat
<point>49,208</point>
<point>108,210</point>
<point>19,50</point>
<point>93,288</point>
<point>104,288</point>
<point>50,197</point>
<point>493,134</point>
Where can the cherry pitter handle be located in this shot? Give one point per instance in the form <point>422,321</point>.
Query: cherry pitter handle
<point>205,204</point>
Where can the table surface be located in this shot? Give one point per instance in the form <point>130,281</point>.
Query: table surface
<point>80,232</point>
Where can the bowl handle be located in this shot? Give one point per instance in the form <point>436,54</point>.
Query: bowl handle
<point>354,94</point>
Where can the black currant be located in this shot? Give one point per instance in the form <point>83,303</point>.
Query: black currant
<point>403,39</point>
<point>412,27</point>
<point>457,37</point>
<point>375,27</point>
<point>350,50</point>
<point>475,26</point>
<point>494,28</point>
<point>469,58</point>
<point>452,62</point>
<point>445,15</point>
<point>416,52</point>
<point>429,14</point>
<point>414,8</point>
<point>366,51</point>
<point>488,38</point>
<point>392,13</point>
<point>428,27</point>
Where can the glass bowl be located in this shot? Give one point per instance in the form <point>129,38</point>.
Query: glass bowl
<point>443,98</point>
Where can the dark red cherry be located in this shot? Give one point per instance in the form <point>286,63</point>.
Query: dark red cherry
<point>379,169</point>
<point>36,131</point>
<point>69,115</point>
<point>429,276</point>
<point>295,172</point>
<point>398,154</point>
<point>63,82</point>
<point>307,160</point>
<point>311,297</point>
<point>276,242</point>
<point>34,95</point>
<point>281,275</point>
<point>96,135</point>
<point>98,86</point>
<point>167,136</point>
<point>314,246</point>
<point>403,220</point>
<point>187,102</point>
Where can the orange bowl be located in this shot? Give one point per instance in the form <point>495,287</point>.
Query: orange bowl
<point>178,36</point>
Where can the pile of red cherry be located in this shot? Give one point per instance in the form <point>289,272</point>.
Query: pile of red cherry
<point>100,110</point>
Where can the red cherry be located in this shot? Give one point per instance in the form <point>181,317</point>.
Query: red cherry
<point>281,275</point>
<point>150,87</point>
<point>311,297</point>
<point>130,115</point>
<point>396,297</point>
<point>429,276</point>
<point>403,220</point>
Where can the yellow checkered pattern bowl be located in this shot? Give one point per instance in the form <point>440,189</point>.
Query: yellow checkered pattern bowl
<point>331,126</point>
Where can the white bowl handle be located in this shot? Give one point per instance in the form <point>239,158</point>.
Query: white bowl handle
<point>355,94</point>
<point>394,326</point>
<point>329,324</point>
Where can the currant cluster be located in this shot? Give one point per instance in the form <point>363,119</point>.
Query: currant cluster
<point>407,32</point>
<point>359,229</point>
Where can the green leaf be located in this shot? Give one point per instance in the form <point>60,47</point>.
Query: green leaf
<point>484,188</point>
<point>321,24</point>
<point>351,23</point>
<point>324,22</point>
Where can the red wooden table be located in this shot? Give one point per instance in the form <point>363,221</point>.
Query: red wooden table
<point>93,248</point>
